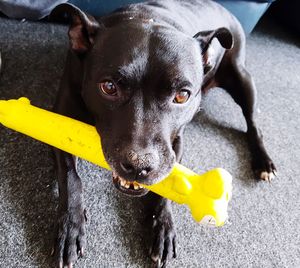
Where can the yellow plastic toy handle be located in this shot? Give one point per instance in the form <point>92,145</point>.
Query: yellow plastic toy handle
<point>207,195</point>
<point>56,130</point>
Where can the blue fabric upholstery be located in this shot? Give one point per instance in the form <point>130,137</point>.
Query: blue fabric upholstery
<point>247,11</point>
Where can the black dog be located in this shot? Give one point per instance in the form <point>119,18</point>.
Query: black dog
<point>138,75</point>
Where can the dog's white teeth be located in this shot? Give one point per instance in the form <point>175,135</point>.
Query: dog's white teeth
<point>127,185</point>
<point>122,182</point>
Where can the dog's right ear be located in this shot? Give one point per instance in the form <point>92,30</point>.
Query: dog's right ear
<point>83,28</point>
<point>223,35</point>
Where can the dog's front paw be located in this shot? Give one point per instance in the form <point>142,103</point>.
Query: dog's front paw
<point>163,246</point>
<point>264,168</point>
<point>70,237</point>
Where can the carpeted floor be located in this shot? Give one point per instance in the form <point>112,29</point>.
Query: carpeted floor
<point>265,218</point>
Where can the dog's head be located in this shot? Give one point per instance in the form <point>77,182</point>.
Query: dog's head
<point>142,83</point>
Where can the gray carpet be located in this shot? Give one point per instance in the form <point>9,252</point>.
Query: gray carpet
<point>265,218</point>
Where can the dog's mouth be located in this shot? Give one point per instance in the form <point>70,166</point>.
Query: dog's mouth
<point>131,188</point>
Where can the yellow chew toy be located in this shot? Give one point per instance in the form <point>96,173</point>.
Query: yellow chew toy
<point>207,195</point>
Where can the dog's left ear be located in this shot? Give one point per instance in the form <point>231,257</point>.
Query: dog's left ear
<point>223,35</point>
<point>83,27</point>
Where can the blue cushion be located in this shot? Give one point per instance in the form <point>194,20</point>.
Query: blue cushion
<point>102,7</point>
<point>247,11</point>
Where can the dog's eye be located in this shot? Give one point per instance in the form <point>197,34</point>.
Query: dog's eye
<point>108,88</point>
<point>181,96</point>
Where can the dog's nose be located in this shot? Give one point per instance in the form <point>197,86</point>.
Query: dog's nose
<point>138,166</point>
<point>137,171</point>
<point>128,168</point>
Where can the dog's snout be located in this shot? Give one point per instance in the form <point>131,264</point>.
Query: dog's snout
<point>139,166</point>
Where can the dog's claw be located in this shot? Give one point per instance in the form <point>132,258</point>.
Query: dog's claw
<point>60,264</point>
<point>80,253</point>
<point>155,258</point>
<point>157,263</point>
<point>264,168</point>
<point>267,176</point>
<point>52,252</point>
<point>70,265</point>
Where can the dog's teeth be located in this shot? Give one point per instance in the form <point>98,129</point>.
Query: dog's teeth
<point>122,182</point>
<point>129,185</point>
<point>137,186</point>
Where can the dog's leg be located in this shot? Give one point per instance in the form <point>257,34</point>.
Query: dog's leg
<point>235,79</point>
<point>159,214</point>
<point>70,233</point>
